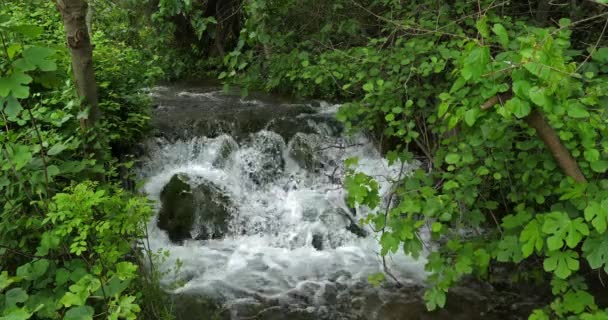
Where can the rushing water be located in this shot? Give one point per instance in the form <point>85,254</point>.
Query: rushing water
<point>268,260</point>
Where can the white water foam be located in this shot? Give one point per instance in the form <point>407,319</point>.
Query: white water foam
<point>269,253</point>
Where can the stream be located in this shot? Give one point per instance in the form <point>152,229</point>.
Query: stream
<point>282,242</point>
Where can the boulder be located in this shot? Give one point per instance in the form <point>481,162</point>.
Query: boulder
<point>317,241</point>
<point>177,213</point>
<point>303,149</point>
<point>227,146</point>
<point>203,210</point>
<point>264,159</point>
<point>214,208</point>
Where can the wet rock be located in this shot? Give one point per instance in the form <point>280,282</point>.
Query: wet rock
<point>204,209</point>
<point>214,210</point>
<point>317,241</point>
<point>178,210</point>
<point>304,150</point>
<point>264,160</point>
<point>227,147</point>
<point>191,306</point>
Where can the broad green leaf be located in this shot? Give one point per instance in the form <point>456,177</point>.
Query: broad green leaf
<point>521,88</point>
<point>531,238</point>
<point>475,63</point>
<point>21,156</point>
<point>56,149</point>
<point>595,250</point>
<point>452,158</point>
<point>15,85</point>
<point>12,107</point>
<point>470,116</point>
<point>599,166</point>
<point>435,298</point>
<point>482,26</point>
<point>520,108</point>
<point>538,96</point>
<point>561,263</point>
<point>562,229</point>
<point>577,110</point>
<point>501,33</point>
<point>79,313</point>
<point>601,55</point>
<point>597,214</point>
<point>577,301</point>
<point>17,314</point>
<point>14,296</point>
<point>70,299</point>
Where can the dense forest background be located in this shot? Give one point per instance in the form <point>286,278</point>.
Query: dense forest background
<point>504,104</point>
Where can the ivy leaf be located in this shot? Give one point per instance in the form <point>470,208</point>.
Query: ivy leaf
<point>562,263</point>
<point>501,32</point>
<point>79,313</point>
<point>597,214</point>
<point>531,238</point>
<point>595,250</point>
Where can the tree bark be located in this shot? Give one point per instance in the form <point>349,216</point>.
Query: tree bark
<point>74,13</point>
<point>547,134</point>
<point>561,155</point>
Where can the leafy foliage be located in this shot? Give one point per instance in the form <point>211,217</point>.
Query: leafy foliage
<point>457,86</point>
<point>67,245</point>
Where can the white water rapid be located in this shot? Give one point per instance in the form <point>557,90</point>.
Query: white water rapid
<point>268,253</point>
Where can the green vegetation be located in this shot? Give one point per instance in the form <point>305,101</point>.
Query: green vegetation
<point>504,104</point>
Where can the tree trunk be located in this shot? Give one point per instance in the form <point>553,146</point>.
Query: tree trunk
<point>74,13</point>
<point>561,155</point>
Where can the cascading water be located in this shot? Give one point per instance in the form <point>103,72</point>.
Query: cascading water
<point>290,242</point>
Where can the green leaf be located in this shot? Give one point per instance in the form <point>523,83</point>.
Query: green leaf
<point>21,156</point>
<point>125,270</point>
<point>519,107</point>
<point>561,228</point>
<point>531,238</point>
<point>470,117</point>
<point>15,85</point>
<point>509,250</point>
<point>578,300</point>
<point>577,110</point>
<point>79,313</point>
<point>501,32</point>
<point>601,55</point>
<point>70,299</point>
<point>369,86</point>
<point>595,250</point>
<point>56,149</point>
<point>599,166</point>
<point>14,296</point>
<point>482,26</point>
<point>475,63</point>
<point>452,158</point>
<point>434,298</point>
<point>597,214</point>
<point>562,263</point>
<point>17,314</point>
<point>12,108</point>
<point>538,96</point>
